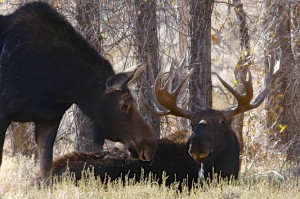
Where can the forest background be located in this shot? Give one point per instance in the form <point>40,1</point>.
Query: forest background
<point>211,36</point>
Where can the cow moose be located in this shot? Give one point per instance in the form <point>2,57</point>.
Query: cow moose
<point>213,143</point>
<point>171,163</point>
<point>46,66</point>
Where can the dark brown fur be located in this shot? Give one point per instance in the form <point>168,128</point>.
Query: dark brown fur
<point>46,66</point>
<point>171,157</point>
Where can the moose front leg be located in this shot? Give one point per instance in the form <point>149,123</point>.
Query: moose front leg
<point>45,134</point>
<point>4,123</point>
<point>97,138</point>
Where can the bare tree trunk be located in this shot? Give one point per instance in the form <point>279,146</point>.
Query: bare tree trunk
<point>22,138</point>
<point>296,32</point>
<point>183,18</point>
<point>292,100</point>
<point>244,62</point>
<point>87,16</point>
<point>296,53</point>
<point>200,53</point>
<point>147,46</point>
<point>279,54</point>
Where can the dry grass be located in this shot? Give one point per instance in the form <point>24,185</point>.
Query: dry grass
<point>17,174</point>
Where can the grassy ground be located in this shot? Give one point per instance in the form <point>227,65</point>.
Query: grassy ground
<point>17,174</point>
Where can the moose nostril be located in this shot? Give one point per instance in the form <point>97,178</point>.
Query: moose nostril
<point>203,155</point>
<point>146,155</point>
<point>196,155</point>
<point>193,155</point>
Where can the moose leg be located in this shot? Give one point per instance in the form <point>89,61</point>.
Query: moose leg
<point>97,137</point>
<point>45,133</point>
<point>4,123</point>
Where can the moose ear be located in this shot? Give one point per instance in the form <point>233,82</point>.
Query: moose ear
<point>118,81</point>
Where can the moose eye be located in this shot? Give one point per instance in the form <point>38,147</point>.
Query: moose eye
<point>223,125</point>
<point>124,108</point>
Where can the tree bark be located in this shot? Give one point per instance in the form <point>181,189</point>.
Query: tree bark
<point>200,53</point>
<point>292,99</point>
<point>183,18</point>
<point>279,54</point>
<point>147,49</point>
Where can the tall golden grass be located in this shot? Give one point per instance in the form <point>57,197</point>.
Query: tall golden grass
<point>17,176</point>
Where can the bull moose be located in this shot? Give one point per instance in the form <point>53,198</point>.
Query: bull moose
<point>46,66</point>
<point>171,163</point>
<point>213,143</point>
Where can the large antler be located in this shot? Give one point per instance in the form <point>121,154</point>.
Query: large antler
<point>164,95</point>
<point>244,100</point>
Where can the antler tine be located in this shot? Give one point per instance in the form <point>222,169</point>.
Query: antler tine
<point>168,98</point>
<point>248,84</point>
<point>151,104</point>
<point>263,94</point>
<point>182,83</point>
<point>165,96</point>
<point>177,90</point>
<point>228,87</point>
<point>260,98</point>
<point>151,107</point>
<point>243,100</point>
<point>158,82</point>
